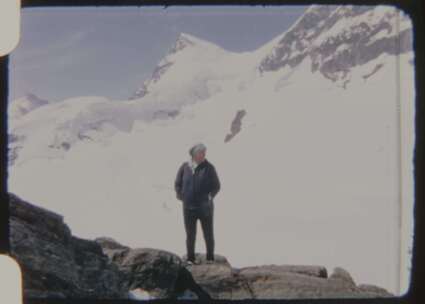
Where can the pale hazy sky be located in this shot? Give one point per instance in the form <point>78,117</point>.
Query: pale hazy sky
<point>67,52</point>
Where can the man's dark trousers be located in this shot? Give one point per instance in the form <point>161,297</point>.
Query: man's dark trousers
<point>205,214</point>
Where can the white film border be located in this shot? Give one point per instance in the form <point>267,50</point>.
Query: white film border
<point>10,275</point>
<point>9,25</point>
<point>10,281</point>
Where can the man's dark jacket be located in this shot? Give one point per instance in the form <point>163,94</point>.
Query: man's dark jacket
<point>196,189</point>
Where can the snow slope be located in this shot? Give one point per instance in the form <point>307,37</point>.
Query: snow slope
<point>310,178</point>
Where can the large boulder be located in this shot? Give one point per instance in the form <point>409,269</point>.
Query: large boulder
<point>147,271</point>
<point>218,279</point>
<point>153,270</point>
<point>54,263</point>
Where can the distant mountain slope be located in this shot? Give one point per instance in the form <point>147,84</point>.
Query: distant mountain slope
<point>24,105</point>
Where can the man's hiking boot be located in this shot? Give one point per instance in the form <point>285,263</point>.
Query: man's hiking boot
<point>209,262</point>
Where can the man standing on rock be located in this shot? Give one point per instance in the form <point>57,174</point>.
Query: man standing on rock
<point>196,185</point>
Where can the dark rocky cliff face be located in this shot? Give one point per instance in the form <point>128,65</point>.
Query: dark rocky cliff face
<point>56,264</point>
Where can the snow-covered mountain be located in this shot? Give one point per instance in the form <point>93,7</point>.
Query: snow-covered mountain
<point>303,132</point>
<point>336,40</point>
<point>189,56</point>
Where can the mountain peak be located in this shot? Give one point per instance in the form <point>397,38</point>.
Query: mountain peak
<point>183,41</point>
<point>192,46</point>
<point>187,36</point>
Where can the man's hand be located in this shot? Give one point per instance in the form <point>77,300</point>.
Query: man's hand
<point>179,196</point>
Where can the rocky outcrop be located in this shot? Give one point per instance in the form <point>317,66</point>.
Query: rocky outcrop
<point>222,281</point>
<point>236,125</point>
<point>151,273</point>
<point>155,271</point>
<point>56,264</point>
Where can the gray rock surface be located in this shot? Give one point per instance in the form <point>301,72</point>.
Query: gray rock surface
<point>373,291</point>
<point>155,271</point>
<point>236,125</point>
<point>222,281</point>
<point>342,275</point>
<point>111,248</point>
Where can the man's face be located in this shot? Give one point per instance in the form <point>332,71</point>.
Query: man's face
<point>199,156</point>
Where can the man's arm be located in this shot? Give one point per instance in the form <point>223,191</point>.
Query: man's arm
<point>178,182</point>
<point>215,182</point>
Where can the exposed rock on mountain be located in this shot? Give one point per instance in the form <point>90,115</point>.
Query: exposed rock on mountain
<point>14,147</point>
<point>183,41</point>
<point>24,105</point>
<point>337,39</point>
<point>164,114</point>
<point>16,110</point>
<point>235,128</point>
<point>57,264</point>
<point>156,74</point>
